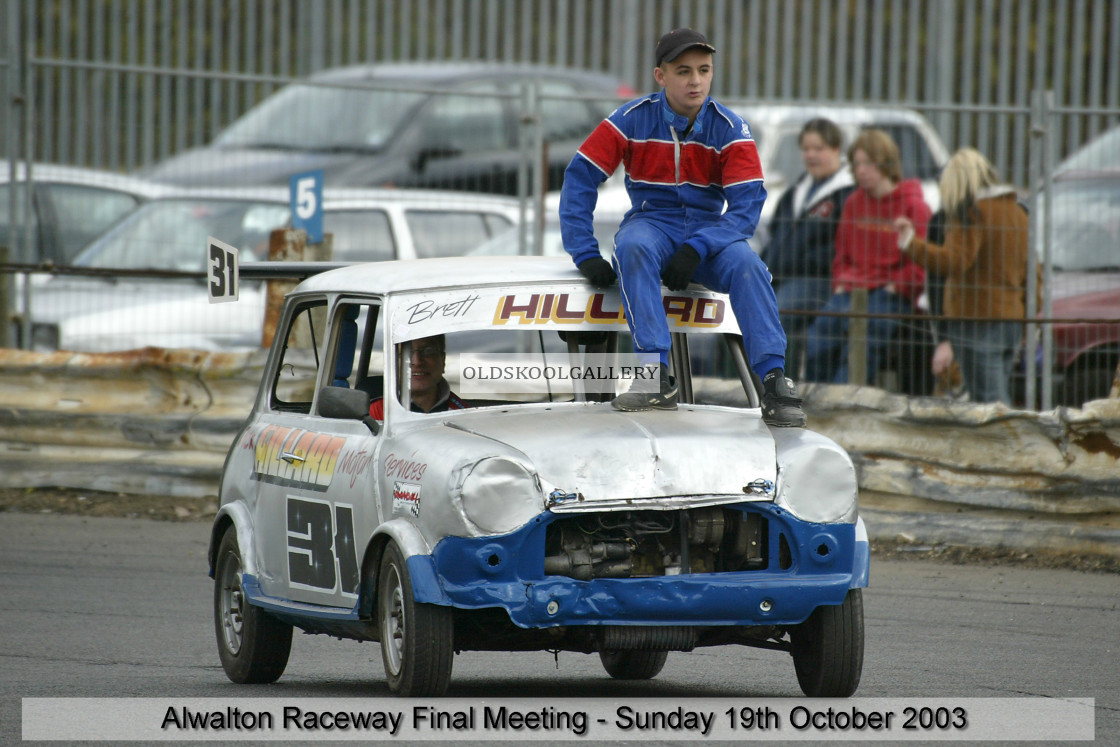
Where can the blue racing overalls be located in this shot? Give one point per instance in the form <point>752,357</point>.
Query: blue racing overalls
<point>680,180</point>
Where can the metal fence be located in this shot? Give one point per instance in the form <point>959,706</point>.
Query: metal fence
<point>122,84</point>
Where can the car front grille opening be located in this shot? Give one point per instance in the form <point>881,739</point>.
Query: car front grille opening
<point>635,544</point>
<point>785,557</point>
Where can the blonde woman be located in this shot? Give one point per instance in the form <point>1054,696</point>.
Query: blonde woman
<point>984,263</point>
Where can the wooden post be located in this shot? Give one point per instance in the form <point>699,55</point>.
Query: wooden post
<point>857,339</point>
<point>288,245</point>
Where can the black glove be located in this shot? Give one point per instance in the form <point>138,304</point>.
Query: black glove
<point>598,271</point>
<point>678,274</point>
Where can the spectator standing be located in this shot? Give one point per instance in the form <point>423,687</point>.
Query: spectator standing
<point>695,184</point>
<point>803,230</point>
<point>984,262</point>
<point>867,256</point>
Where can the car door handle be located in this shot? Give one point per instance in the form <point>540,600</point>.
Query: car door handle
<point>291,458</point>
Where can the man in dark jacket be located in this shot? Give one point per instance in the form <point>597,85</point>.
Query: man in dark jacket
<point>803,230</point>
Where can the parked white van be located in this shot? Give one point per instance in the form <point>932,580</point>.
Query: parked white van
<point>123,303</point>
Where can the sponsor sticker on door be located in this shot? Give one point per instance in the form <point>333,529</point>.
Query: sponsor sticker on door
<point>406,498</point>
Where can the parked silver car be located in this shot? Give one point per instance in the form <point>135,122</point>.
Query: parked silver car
<point>414,124</point>
<point>114,310</point>
<point>543,520</point>
<point>70,206</point>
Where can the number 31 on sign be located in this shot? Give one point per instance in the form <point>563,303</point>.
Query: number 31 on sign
<point>222,270</point>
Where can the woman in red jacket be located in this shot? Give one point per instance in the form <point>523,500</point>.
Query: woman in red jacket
<point>867,256</point>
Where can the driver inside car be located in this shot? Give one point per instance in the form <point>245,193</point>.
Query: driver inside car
<point>428,390</point>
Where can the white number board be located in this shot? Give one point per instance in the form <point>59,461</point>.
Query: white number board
<point>222,270</point>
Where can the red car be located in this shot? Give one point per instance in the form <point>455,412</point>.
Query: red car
<point>1085,252</point>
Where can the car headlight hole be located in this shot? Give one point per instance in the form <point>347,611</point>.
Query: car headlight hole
<point>492,558</point>
<point>824,548</point>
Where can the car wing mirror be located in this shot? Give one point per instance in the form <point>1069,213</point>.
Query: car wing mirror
<point>343,403</point>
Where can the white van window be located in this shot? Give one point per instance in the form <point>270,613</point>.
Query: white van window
<point>360,235</point>
<point>446,233</point>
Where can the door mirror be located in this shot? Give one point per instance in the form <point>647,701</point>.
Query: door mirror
<point>343,403</point>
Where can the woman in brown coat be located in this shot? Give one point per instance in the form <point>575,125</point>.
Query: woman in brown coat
<point>984,262</point>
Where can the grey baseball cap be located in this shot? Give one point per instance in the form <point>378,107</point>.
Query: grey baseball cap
<point>675,43</point>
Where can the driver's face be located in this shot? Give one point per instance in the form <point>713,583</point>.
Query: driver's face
<point>428,358</point>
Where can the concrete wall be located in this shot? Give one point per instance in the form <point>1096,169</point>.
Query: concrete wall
<point>159,422</point>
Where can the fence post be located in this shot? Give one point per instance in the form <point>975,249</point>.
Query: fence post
<point>1041,230</point>
<point>525,163</point>
<point>5,302</point>
<point>1048,119</point>
<point>857,338</point>
<point>1034,180</point>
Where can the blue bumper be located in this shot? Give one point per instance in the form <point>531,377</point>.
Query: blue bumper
<point>824,561</point>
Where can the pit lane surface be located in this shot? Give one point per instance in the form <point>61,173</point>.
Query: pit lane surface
<point>103,607</point>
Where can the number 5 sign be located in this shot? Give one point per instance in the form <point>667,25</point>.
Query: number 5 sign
<point>222,270</point>
<point>307,204</point>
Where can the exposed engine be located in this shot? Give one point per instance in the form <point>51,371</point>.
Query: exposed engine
<point>627,544</point>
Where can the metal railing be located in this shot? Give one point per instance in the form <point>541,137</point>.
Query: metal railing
<point>121,84</point>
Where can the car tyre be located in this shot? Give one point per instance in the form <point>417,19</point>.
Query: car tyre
<point>252,644</point>
<point>417,640</point>
<point>828,649</point>
<point>633,665</point>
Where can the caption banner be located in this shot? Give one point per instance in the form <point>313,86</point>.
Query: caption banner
<point>567,719</point>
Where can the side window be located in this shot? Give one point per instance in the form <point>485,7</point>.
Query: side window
<point>361,235</point>
<point>444,233</point>
<point>460,124</point>
<point>356,347</point>
<point>294,380</point>
<point>81,213</point>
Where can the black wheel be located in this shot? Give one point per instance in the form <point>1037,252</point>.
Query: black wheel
<point>633,665</point>
<point>417,643</point>
<point>828,649</point>
<point>253,645</point>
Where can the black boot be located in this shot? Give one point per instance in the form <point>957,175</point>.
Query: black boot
<point>643,395</point>
<point>781,407</point>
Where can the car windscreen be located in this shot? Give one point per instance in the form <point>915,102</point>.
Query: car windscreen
<point>1086,231</point>
<point>1102,153</point>
<point>520,366</point>
<point>305,117</point>
<point>172,234</point>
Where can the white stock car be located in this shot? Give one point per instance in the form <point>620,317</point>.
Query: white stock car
<point>547,521</point>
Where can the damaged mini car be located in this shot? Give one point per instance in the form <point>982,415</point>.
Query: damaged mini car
<point>522,512</point>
